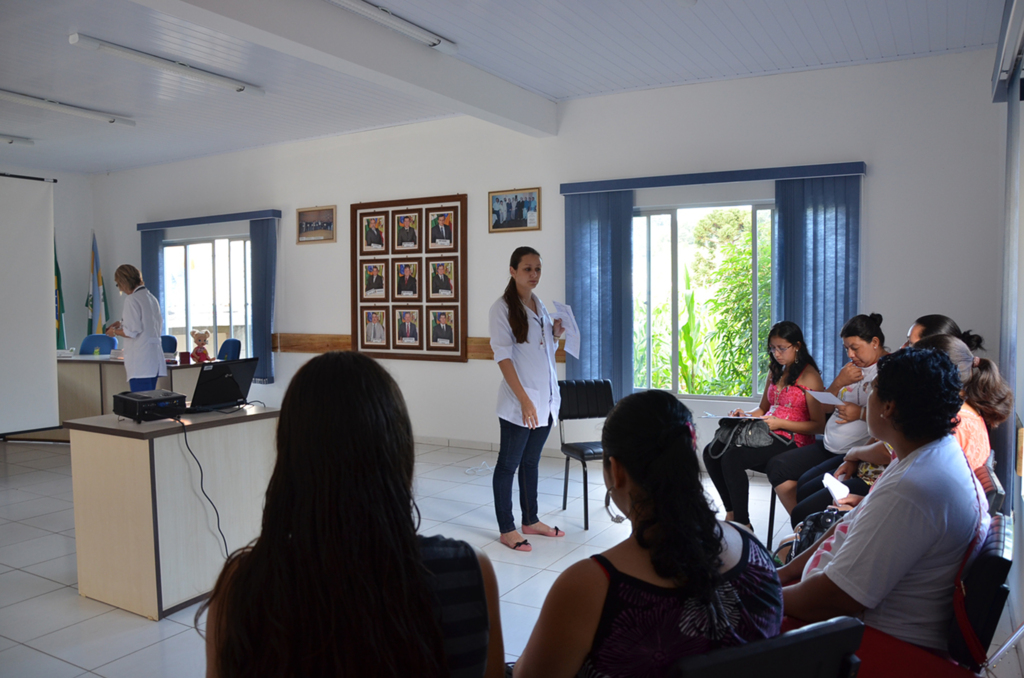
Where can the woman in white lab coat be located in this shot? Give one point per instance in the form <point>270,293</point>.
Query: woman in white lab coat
<point>140,325</point>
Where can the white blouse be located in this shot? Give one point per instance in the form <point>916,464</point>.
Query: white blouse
<point>534,361</point>
<point>142,323</point>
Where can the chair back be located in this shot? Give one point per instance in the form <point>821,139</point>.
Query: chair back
<point>822,650</point>
<point>168,343</point>
<point>994,492</point>
<point>90,343</point>
<point>585,399</point>
<point>231,349</point>
<point>985,589</point>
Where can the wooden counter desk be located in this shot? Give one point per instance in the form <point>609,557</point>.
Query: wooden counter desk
<point>146,536</point>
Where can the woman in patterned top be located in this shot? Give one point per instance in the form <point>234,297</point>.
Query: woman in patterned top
<point>683,583</point>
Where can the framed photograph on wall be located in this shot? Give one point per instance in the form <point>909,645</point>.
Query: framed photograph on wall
<point>407,280</point>
<point>441,228</point>
<point>373,276</point>
<point>315,224</point>
<point>373,330</point>
<point>373,233</point>
<point>443,322</point>
<point>407,327</point>
<point>406,231</point>
<point>443,278</point>
<point>515,210</point>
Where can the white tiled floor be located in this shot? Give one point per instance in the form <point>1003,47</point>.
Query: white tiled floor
<point>48,630</point>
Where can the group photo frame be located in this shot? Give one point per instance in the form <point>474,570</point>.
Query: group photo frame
<point>316,225</point>
<point>514,210</point>
<point>408,273</point>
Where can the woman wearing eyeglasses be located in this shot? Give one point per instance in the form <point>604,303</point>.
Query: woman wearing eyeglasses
<point>793,418</point>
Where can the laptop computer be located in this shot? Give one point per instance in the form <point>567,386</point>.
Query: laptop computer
<point>223,384</point>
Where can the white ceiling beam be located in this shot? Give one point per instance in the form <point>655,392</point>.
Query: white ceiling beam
<point>321,33</point>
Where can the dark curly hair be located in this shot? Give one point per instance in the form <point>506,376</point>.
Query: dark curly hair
<point>791,332</point>
<point>924,385</point>
<point>651,434</point>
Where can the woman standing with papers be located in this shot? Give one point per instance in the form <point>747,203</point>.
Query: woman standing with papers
<point>523,338</point>
<point>140,326</point>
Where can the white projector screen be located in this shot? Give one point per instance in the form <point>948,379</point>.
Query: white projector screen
<point>28,332</point>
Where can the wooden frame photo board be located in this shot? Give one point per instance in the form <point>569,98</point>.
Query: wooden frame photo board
<point>409,279</point>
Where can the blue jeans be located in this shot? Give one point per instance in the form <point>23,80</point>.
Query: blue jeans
<point>520,449</point>
<point>136,385</point>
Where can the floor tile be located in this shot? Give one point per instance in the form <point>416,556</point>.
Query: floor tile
<point>533,591</point>
<point>546,551</point>
<point>581,553</point>
<point>105,638</point>
<point>517,623</point>
<point>24,662</point>
<point>477,494</point>
<point>20,456</point>
<point>47,613</point>
<point>447,456</point>
<point>428,487</point>
<point>26,480</point>
<point>434,509</point>
<point>6,643</point>
<point>14,496</point>
<point>48,463</point>
<point>59,521</point>
<point>59,485</point>
<point>509,576</point>
<point>16,586</point>
<point>186,616</point>
<point>13,533</point>
<point>39,506</point>
<point>63,569</point>
<point>475,536</point>
<point>455,474</point>
<point>180,655</point>
<point>37,550</point>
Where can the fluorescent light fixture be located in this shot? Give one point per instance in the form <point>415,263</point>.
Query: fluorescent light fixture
<point>64,108</point>
<point>20,141</point>
<point>176,67</point>
<point>385,18</point>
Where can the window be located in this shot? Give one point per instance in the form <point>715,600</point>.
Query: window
<point>207,287</point>
<point>702,299</point>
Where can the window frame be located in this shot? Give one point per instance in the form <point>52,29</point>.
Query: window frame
<point>673,212</point>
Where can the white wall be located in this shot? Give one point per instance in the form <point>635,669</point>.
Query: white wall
<point>932,217</point>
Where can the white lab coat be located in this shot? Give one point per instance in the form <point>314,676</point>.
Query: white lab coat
<point>142,323</point>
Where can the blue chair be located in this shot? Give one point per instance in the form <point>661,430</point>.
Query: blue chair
<point>90,343</point>
<point>168,343</point>
<point>231,349</point>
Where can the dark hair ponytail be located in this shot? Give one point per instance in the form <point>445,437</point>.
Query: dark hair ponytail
<point>866,327</point>
<point>939,324</point>
<point>651,435</point>
<point>984,388</point>
<point>516,313</point>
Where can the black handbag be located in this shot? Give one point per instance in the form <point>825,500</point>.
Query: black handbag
<point>811,529</point>
<point>742,432</point>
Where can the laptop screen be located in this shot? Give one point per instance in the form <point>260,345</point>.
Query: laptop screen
<point>224,384</point>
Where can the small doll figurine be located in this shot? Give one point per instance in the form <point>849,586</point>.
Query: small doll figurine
<point>199,353</point>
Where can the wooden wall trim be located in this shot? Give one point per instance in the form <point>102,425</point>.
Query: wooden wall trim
<point>479,348</point>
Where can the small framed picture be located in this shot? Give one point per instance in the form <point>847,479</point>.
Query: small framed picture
<point>407,330</point>
<point>444,280</point>
<point>373,330</point>
<point>406,236</point>
<point>315,224</point>
<point>407,283</point>
<point>443,227</point>
<point>515,210</point>
<point>374,285</point>
<point>444,329</point>
<point>373,233</point>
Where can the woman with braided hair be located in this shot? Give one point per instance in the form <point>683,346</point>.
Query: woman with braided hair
<point>683,582</point>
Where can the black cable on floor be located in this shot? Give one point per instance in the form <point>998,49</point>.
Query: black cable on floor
<point>184,431</point>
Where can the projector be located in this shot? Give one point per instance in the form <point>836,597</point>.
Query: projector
<point>149,405</point>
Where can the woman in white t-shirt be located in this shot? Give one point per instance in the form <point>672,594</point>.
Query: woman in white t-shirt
<point>524,339</point>
<point>796,475</point>
<point>140,326</point>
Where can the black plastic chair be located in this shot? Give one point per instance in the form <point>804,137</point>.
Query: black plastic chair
<point>822,650</point>
<point>583,399</point>
<point>985,590</point>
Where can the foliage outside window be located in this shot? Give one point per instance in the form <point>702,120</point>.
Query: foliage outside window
<point>697,275</point>
<point>207,286</point>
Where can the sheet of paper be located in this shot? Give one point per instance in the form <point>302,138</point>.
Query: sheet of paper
<point>708,415</point>
<point>825,398</point>
<point>836,488</point>
<point>572,330</point>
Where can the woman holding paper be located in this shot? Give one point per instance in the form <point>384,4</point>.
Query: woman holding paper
<point>792,416</point>
<point>524,339</point>
<point>803,468</point>
<point>140,326</point>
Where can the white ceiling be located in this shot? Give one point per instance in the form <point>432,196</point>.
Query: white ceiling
<point>327,71</point>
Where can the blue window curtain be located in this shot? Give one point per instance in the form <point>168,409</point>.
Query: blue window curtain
<point>598,286</point>
<point>816,261</point>
<point>153,263</point>
<point>263,239</point>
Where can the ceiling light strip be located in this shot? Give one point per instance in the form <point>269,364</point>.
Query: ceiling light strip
<point>64,108</point>
<point>175,67</point>
<point>20,141</point>
<point>385,18</point>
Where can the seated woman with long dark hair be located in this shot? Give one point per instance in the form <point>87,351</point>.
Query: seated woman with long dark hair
<point>683,582</point>
<point>338,583</point>
<point>904,543</point>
